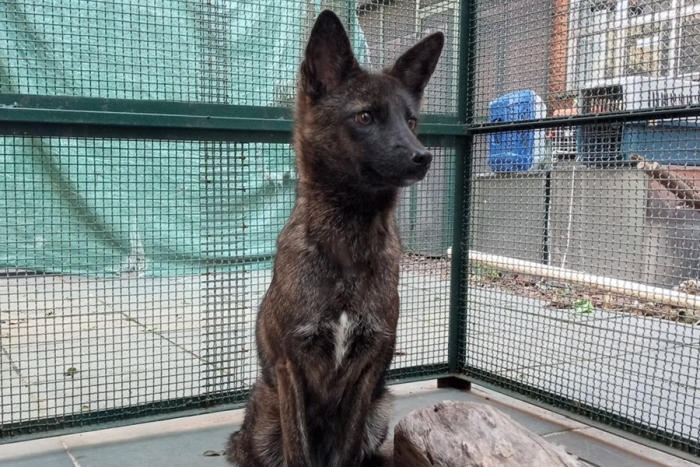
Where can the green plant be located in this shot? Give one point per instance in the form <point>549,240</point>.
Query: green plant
<point>486,272</point>
<point>584,307</point>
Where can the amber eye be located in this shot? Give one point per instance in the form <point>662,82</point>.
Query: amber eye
<point>412,124</point>
<point>364,118</point>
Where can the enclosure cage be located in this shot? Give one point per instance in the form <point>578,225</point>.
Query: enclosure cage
<point>147,170</point>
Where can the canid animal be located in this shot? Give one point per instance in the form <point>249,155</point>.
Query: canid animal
<point>326,327</point>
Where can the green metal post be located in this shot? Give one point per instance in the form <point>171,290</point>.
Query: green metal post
<point>463,153</point>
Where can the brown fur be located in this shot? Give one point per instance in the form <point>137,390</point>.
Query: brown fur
<point>326,328</point>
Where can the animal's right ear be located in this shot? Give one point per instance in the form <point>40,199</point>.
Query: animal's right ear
<point>329,56</point>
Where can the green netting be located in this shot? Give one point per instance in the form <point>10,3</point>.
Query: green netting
<point>135,209</point>
<point>163,50</point>
<point>158,225</point>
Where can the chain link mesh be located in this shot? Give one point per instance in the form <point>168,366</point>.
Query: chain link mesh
<point>133,266</point>
<point>583,268</point>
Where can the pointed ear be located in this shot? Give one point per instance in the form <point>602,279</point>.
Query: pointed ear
<point>415,67</point>
<point>329,56</point>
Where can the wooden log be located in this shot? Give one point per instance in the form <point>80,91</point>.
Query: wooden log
<point>467,434</point>
<point>682,189</point>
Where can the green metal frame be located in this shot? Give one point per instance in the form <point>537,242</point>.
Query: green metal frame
<point>174,408</point>
<point>26,115</point>
<point>460,238</point>
<point>75,116</point>
<point>82,116</point>
<point>460,370</point>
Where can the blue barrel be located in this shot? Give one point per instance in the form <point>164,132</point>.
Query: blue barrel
<point>512,151</point>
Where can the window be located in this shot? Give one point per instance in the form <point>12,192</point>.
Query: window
<point>646,49</point>
<point>616,38</point>
<point>596,40</point>
<point>646,7</point>
<point>689,49</point>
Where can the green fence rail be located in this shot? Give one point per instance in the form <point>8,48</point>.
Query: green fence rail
<point>578,257</point>
<point>147,170</point>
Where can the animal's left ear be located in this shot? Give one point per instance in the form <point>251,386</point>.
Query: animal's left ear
<point>415,67</point>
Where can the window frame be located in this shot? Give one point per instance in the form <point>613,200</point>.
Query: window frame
<point>620,26</point>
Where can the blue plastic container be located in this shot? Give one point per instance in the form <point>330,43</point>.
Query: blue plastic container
<point>514,151</point>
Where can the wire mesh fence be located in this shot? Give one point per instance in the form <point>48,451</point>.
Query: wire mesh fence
<point>146,173</point>
<point>583,229</point>
<point>139,215</point>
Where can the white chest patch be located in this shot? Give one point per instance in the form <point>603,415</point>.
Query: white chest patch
<point>342,335</point>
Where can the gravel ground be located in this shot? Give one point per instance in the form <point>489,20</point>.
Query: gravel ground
<point>556,294</point>
<point>418,264</point>
<point>576,297</point>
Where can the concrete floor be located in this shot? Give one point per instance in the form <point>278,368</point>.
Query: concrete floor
<point>185,442</point>
<point>141,340</point>
<point>645,369</point>
<point>134,341</point>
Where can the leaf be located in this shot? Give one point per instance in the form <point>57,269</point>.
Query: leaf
<point>559,302</point>
<point>72,371</point>
<point>584,307</point>
<point>525,280</point>
<point>212,453</point>
<point>608,302</point>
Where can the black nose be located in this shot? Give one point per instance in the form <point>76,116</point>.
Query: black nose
<point>422,157</point>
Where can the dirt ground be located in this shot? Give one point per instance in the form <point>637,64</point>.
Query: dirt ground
<point>578,298</point>
<point>556,294</point>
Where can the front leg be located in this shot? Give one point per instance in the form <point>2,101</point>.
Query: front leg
<point>358,404</point>
<point>295,443</point>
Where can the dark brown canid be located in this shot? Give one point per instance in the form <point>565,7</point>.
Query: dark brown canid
<point>326,328</point>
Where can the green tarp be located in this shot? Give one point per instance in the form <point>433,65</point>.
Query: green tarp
<point>112,207</point>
